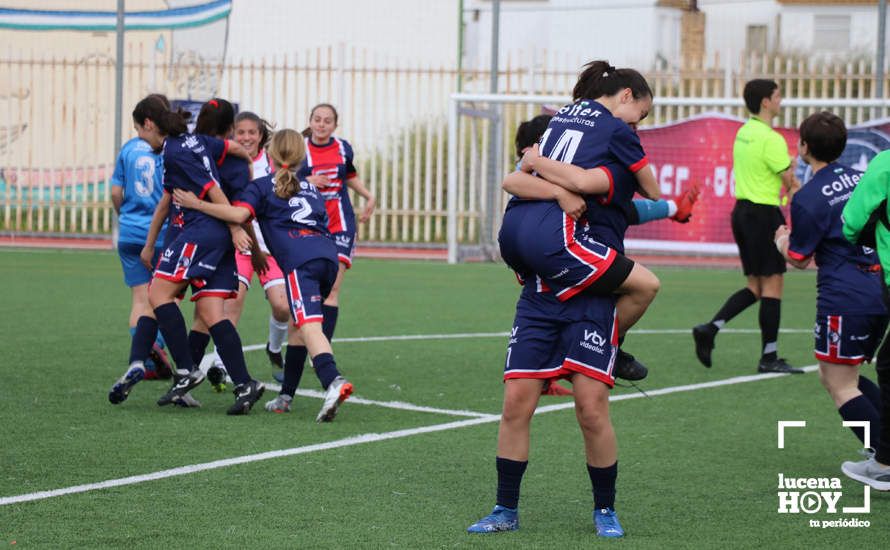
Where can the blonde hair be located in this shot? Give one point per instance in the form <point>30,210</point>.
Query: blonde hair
<point>286,148</point>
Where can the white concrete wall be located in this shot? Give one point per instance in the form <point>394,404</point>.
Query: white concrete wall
<point>797,28</point>
<point>726,24</point>
<point>579,30</point>
<point>401,29</point>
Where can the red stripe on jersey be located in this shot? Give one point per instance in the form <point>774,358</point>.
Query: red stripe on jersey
<point>206,188</point>
<point>242,204</point>
<point>611,193</point>
<point>219,161</point>
<point>796,256</point>
<point>336,223</point>
<point>639,165</point>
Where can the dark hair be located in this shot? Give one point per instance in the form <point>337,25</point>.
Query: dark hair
<point>307,132</point>
<point>530,131</point>
<point>598,79</point>
<point>154,108</point>
<point>825,135</point>
<point>756,91</point>
<point>262,124</point>
<point>216,118</point>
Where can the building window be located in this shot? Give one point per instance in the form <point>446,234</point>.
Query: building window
<point>831,32</point>
<point>755,39</point>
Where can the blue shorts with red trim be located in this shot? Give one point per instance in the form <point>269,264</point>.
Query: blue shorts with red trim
<point>552,339</point>
<point>345,241</point>
<point>307,286</point>
<point>210,270</point>
<point>538,238</point>
<point>848,339</point>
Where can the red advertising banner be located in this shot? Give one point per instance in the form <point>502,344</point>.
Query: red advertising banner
<point>696,150</point>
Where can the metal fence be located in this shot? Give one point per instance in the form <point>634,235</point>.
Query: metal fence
<point>56,134</point>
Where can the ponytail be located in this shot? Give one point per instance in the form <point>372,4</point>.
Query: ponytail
<point>216,118</point>
<point>287,149</point>
<point>598,79</point>
<point>154,108</point>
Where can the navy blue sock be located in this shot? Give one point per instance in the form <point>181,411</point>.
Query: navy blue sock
<point>330,320</point>
<point>143,338</point>
<point>509,479</point>
<point>294,362</point>
<point>603,482</point>
<point>172,324</point>
<point>228,346</point>
<point>870,390</point>
<point>860,408</point>
<point>198,345</point>
<point>325,368</point>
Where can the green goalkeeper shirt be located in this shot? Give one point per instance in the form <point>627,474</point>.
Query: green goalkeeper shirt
<point>872,190</point>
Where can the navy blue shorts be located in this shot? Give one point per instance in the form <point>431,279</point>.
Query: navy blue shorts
<point>848,339</point>
<point>210,270</point>
<point>551,339</point>
<point>540,239</point>
<point>307,286</point>
<point>135,272</point>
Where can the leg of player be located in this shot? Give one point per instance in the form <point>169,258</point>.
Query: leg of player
<point>228,343</point>
<point>199,339</point>
<point>162,295</point>
<point>769,318</point>
<point>601,449</point>
<point>521,397</point>
<point>143,328</point>
<point>678,211</point>
<point>875,471</point>
<point>331,307</point>
<point>232,309</point>
<point>637,292</point>
<point>842,384</point>
<point>278,322</point>
<point>294,362</point>
<point>705,334</point>
<point>337,389</point>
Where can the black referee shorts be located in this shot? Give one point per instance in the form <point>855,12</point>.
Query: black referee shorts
<point>754,228</point>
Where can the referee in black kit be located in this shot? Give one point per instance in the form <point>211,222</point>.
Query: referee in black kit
<point>762,169</point>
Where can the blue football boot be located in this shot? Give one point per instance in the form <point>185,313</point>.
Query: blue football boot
<point>500,519</point>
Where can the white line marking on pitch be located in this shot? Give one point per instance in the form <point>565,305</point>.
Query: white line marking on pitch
<point>358,440</point>
<point>462,335</point>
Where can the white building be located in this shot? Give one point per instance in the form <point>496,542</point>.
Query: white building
<point>642,33</point>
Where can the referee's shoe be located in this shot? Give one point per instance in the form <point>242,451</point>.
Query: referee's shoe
<point>777,365</point>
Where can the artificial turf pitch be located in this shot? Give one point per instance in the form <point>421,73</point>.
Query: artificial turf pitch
<point>697,468</point>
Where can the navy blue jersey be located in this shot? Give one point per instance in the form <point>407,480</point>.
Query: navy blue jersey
<point>587,135</point>
<point>608,215</point>
<point>848,280</point>
<point>234,175</point>
<point>190,163</point>
<point>295,229</point>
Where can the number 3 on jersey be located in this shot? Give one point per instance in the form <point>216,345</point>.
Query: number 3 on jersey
<point>566,146</point>
<point>302,211</point>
